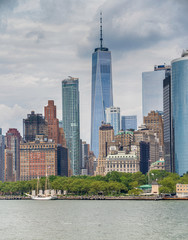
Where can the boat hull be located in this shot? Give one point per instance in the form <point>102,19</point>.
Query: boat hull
<point>43,198</point>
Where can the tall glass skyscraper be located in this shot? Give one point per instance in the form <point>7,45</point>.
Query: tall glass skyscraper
<point>71,121</point>
<point>112,115</point>
<point>152,89</point>
<point>179,91</point>
<point>101,93</point>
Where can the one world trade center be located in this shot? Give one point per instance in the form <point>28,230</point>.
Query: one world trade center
<point>101,93</point>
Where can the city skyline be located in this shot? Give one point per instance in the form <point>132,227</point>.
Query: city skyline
<point>38,52</point>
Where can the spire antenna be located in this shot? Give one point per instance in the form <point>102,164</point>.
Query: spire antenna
<point>101,39</point>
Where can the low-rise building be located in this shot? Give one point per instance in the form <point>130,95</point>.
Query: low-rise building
<point>181,190</point>
<point>158,165</point>
<point>122,162</point>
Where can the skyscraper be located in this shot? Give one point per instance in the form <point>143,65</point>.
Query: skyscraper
<point>53,122</point>
<point>35,124</point>
<point>113,117</point>
<point>129,122</point>
<point>13,139</point>
<point>101,93</point>
<point>167,124</point>
<point>106,135</point>
<point>179,91</point>
<point>71,121</point>
<point>152,89</point>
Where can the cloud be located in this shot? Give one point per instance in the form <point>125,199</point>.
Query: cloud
<point>11,117</point>
<point>6,9</point>
<point>44,41</point>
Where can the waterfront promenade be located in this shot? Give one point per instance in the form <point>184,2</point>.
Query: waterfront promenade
<point>141,198</point>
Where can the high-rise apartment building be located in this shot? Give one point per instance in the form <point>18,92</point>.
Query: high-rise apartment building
<point>71,121</point>
<point>35,124</point>
<point>113,117</point>
<point>169,166</point>
<point>13,139</point>
<point>152,89</point>
<point>101,93</point>
<point>129,122</point>
<point>2,156</point>
<point>179,91</point>
<point>55,132</point>
<point>106,135</point>
<point>52,121</point>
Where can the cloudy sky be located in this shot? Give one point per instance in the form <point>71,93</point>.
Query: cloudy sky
<point>44,41</point>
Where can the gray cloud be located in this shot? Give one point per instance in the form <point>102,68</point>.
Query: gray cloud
<point>6,8</point>
<point>44,41</point>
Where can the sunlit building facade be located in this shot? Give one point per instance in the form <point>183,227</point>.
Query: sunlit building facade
<point>129,122</point>
<point>113,117</point>
<point>152,89</point>
<point>71,121</point>
<point>180,112</point>
<point>101,93</point>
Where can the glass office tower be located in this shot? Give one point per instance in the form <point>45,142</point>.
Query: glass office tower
<point>180,112</point>
<point>152,89</point>
<point>101,93</point>
<point>112,115</point>
<point>129,122</point>
<point>71,121</point>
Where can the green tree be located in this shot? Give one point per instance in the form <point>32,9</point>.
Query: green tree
<point>135,192</point>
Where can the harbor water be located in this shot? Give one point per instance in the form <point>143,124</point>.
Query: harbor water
<point>93,220</point>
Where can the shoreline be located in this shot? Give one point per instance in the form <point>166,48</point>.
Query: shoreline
<point>94,198</point>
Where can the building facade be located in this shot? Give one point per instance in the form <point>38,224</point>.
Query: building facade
<point>169,166</point>
<point>154,121</point>
<point>180,112</point>
<point>124,138</point>
<point>9,176</point>
<point>181,190</point>
<point>122,162</point>
<point>37,159</point>
<point>71,121</point>
<point>113,117</point>
<point>2,156</point>
<point>146,135</point>
<point>34,124</point>
<point>52,121</point>
<point>152,89</point>
<point>13,139</point>
<point>158,165</point>
<point>106,135</point>
<point>101,93</point>
<point>129,122</point>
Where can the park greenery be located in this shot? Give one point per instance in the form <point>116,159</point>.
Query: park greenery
<point>114,183</point>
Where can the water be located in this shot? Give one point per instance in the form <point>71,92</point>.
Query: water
<point>93,220</point>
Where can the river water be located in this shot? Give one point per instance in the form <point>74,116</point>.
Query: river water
<point>93,220</point>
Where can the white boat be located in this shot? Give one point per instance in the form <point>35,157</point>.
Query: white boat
<point>45,196</point>
<point>39,197</point>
